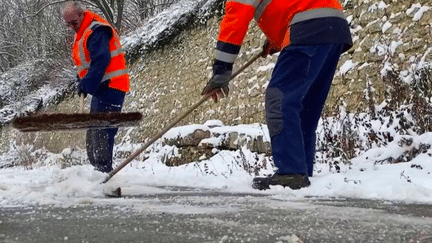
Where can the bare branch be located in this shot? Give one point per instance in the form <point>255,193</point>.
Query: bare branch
<point>7,53</point>
<point>106,9</point>
<point>53,3</point>
<point>120,4</point>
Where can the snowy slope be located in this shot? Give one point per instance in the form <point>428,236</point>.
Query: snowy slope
<point>165,26</point>
<point>47,183</point>
<point>30,86</point>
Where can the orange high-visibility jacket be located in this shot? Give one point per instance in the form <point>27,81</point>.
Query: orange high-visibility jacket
<point>274,17</point>
<point>116,72</point>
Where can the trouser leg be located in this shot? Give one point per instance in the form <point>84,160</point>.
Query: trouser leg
<point>313,104</point>
<point>296,71</point>
<point>90,136</point>
<point>100,142</point>
<point>100,145</point>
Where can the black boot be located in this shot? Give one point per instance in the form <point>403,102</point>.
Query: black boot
<point>103,168</point>
<point>293,181</point>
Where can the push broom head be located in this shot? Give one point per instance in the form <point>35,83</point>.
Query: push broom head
<point>71,122</point>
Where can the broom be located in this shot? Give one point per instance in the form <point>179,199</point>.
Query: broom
<point>78,121</point>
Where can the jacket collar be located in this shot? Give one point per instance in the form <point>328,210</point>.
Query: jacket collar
<point>89,16</point>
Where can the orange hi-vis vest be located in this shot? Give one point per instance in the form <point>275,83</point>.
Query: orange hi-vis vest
<point>116,72</point>
<point>274,17</point>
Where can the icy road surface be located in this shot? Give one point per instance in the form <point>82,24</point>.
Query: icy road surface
<point>177,214</point>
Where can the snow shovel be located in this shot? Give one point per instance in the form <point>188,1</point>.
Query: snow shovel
<point>173,123</point>
<point>77,121</point>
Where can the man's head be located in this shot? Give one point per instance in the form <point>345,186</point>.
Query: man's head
<point>73,15</point>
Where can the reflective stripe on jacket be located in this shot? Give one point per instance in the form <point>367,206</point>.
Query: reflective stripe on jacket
<point>274,17</point>
<point>116,72</point>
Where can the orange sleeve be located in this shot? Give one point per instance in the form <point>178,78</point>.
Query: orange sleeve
<point>235,23</point>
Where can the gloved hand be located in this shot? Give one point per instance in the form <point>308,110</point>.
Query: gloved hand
<point>218,85</point>
<point>80,89</point>
<point>268,50</point>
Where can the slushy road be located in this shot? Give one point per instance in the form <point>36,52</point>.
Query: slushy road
<point>195,215</point>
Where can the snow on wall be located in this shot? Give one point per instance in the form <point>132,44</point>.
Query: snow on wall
<point>30,86</point>
<point>164,25</point>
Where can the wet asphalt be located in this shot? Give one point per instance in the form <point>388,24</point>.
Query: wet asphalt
<point>190,215</point>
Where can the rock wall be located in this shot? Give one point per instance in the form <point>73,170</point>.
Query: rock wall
<point>390,34</point>
<point>387,35</point>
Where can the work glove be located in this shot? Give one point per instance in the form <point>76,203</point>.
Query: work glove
<point>79,88</point>
<point>218,85</point>
<point>268,49</point>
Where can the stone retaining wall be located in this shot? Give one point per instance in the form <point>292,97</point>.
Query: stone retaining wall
<point>166,82</point>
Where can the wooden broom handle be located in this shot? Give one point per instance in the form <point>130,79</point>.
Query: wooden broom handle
<point>174,122</point>
<point>82,103</point>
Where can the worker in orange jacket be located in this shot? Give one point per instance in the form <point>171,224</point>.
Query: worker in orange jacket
<point>102,73</point>
<point>310,35</point>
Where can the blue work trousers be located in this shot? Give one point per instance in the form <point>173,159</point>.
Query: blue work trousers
<point>100,142</point>
<point>295,99</point>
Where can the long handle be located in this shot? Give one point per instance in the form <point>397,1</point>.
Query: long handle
<point>173,123</point>
<point>82,103</point>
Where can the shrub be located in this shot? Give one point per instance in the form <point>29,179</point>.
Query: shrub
<point>407,110</point>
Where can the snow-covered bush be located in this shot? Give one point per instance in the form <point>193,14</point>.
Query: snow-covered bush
<point>406,111</point>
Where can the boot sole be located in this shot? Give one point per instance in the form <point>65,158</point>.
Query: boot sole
<point>265,183</point>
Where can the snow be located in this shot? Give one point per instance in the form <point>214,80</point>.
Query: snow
<point>380,49</point>
<point>382,5</point>
<point>394,45</point>
<point>270,66</point>
<point>159,27</point>
<point>347,66</point>
<point>419,14</point>
<point>417,11</point>
<point>368,177</point>
<point>19,97</point>
<point>387,25</point>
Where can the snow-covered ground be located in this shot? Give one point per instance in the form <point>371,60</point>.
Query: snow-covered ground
<point>48,184</point>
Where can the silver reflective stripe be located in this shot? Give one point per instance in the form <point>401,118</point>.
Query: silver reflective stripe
<point>225,57</point>
<point>114,74</point>
<point>116,52</point>
<point>93,24</point>
<point>261,8</point>
<point>118,49</point>
<point>317,13</point>
<point>254,3</point>
<point>80,69</point>
<point>117,44</point>
<point>84,63</point>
